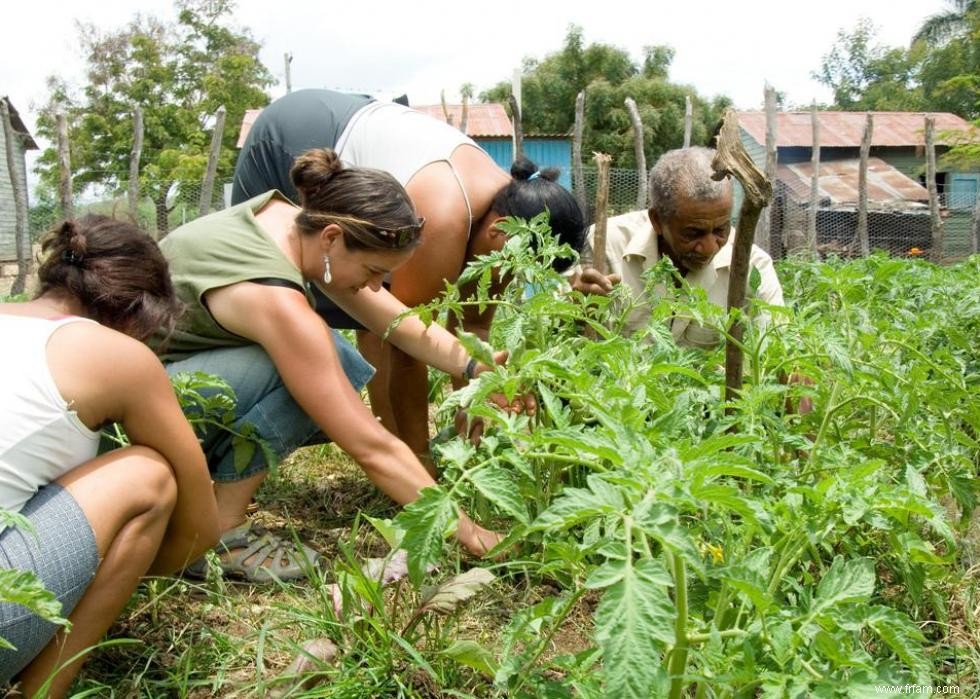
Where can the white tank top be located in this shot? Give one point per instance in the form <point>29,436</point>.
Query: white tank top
<point>401,141</point>
<point>41,437</point>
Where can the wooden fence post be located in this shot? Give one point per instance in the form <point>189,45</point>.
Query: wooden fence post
<point>688,120</point>
<point>811,216</point>
<point>763,232</point>
<point>288,60</point>
<point>936,222</point>
<point>578,176</point>
<point>134,164</point>
<point>602,162</point>
<point>64,166</point>
<point>208,186</point>
<point>732,160</point>
<point>641,158</point>
<point>19,190</point>
<point>861,236</point>
<point>515,110</point>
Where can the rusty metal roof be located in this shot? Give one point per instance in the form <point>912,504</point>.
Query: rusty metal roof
<point>482,120</point>
<point>19,128</point>
<point>838,183</point>
<point>845,129</point>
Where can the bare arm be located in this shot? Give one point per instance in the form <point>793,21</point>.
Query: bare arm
<point>138,394</point>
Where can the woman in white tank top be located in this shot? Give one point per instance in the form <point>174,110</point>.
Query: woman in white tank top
<point>71,362</point>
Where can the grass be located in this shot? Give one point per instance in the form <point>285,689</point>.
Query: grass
<point>220,638</point>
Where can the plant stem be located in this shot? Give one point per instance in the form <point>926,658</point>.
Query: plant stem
<point>678,656</point>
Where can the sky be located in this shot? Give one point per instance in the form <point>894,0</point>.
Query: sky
<point>420,47</point>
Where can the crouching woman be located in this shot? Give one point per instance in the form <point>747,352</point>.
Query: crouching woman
<point>72,361</point>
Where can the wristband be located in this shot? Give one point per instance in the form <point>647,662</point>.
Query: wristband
<point>470,370</point>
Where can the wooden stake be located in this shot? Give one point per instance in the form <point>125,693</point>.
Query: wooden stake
<point>641,158</point>
<point>732,160</point>
<point>601,206</point>
<point>515,110</point>
<point>208,186</point>
<point>578,176</point>
<point>288,60</point>
<point>134,163</point>
<point>763,233</point>
<point>861,236</point>
<point>811,216</point>
<point>938,233</point>
<point>688,121</point>
<point>64,166</point>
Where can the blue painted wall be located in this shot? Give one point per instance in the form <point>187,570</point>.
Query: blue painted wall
<point>544,152</point>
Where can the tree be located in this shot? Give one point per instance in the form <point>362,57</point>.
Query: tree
<point>943,26</point>
<point>179,74</point>
<point>866,76</point>
<point>609,75</point>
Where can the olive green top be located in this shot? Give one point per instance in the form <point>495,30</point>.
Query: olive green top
<point>218,250</point>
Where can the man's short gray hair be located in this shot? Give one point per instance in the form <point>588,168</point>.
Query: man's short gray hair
<point>684,172</point>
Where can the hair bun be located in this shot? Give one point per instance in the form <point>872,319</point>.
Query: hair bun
<point>549,173</point>
<point>522,169</point>
<point>313,169</point>
<point>76,244</point>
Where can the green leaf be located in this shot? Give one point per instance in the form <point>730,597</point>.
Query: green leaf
<point>473,655</point>
<point>903,637</point>
<point>755,280</point>
<point>634,621</point>
<point>26,589</point>
<point>476,347</point>
<point>845,582</point>
<point>499,487</point>
<point>386,528</point>
<point>426,522</point>
<point>242,450</point>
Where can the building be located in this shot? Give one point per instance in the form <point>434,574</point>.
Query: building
<point>898,219</point>
<point>23,142</point>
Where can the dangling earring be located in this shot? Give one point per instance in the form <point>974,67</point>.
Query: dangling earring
<point>327,276</point>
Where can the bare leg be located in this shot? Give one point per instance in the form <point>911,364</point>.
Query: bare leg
<point>378,353</point>
<point>127,497</point>
<point>233,499</point>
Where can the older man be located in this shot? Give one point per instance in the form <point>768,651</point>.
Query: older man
<point>689,221</point>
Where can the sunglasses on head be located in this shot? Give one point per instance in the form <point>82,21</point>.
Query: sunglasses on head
<point>400,237</point>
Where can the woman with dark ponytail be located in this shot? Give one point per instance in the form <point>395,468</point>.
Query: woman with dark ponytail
<point>454,185</point>
<point>244,274</point>
<point>72,361</point>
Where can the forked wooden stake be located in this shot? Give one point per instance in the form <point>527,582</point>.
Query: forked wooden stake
<point>732,160</point>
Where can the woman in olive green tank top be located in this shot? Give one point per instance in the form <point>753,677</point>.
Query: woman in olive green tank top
<point>243,274</point>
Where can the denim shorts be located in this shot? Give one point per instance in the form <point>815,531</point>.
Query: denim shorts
<point>264,403</point>
<point>62,552</point>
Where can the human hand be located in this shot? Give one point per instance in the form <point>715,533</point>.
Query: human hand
<point>806,403</point>
<point>592,281</point>
<point>474,538</point>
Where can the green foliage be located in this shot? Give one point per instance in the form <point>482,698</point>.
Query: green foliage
<point>609,75</point>
<point>939,71</point>
<point>179,74</point>
<point>748,550</point>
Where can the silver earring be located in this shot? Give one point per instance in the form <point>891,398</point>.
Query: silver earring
<point>327,276</point>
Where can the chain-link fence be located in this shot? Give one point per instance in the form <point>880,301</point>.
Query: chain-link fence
<point>161,207</point>
<point>904,230</point>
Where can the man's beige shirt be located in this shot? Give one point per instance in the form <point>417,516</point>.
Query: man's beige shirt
<point>632,248</point>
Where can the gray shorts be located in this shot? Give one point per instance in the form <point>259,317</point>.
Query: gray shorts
<point>61,551</point>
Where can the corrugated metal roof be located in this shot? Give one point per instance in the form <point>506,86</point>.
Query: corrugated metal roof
<point>19,128</point>
<point>482,120</point>
<point>838,182</point>
<point>845,129</point>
